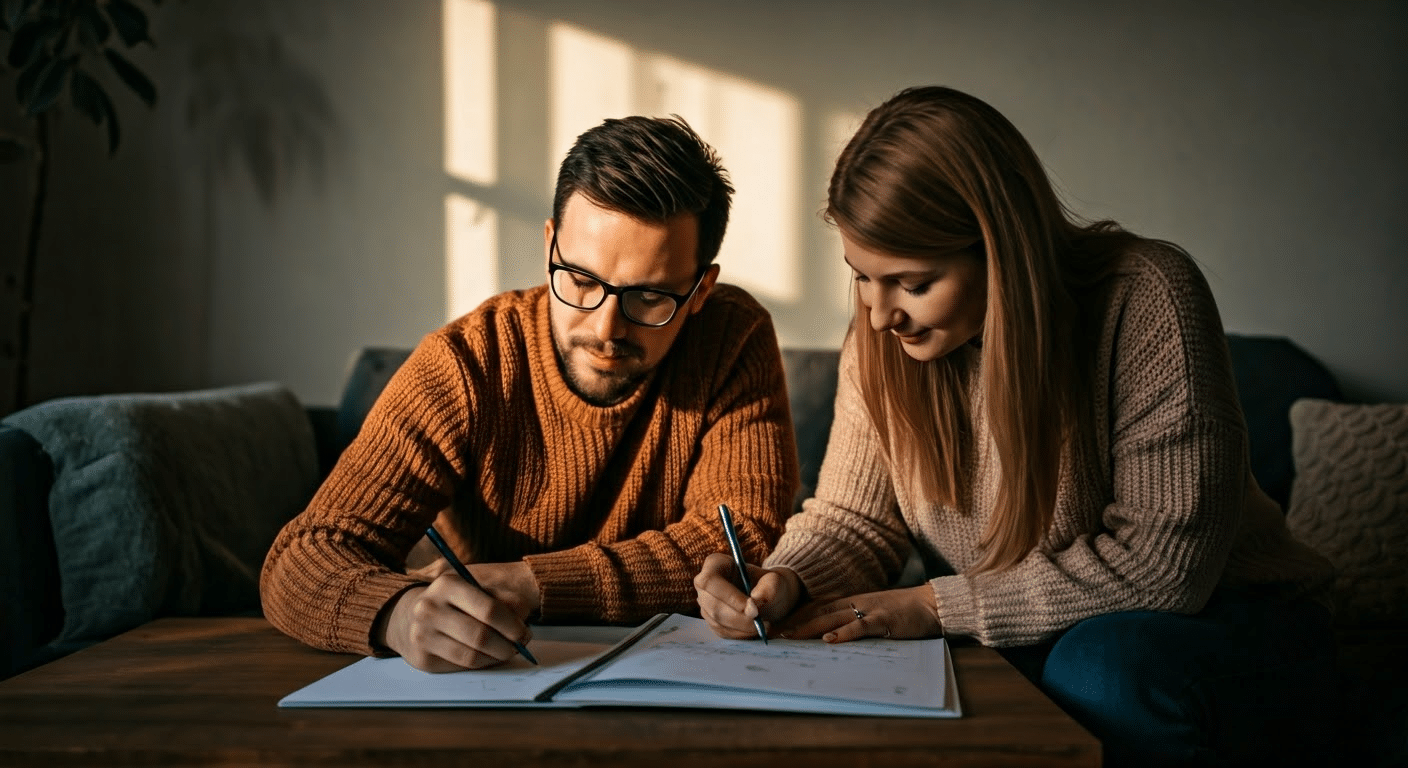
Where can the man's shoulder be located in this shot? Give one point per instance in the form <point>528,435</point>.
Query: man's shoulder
<point>730,304</point>
<point>508,312</point>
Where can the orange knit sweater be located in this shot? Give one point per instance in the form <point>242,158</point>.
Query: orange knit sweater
<point>612,508</point>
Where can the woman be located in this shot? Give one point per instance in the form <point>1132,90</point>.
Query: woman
<point>1044,409</point>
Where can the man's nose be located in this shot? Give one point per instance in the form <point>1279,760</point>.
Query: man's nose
<point>607,321</point>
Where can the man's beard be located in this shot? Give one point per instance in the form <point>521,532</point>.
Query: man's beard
<point>600,388</point>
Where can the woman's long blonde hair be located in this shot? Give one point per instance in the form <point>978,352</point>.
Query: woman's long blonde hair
<point>935,172</point>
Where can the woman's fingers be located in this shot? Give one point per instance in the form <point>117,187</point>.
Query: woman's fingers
<point>899,613</point>
<point>728,610</point>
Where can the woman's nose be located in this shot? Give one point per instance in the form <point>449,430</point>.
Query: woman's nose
<point>884,315</point>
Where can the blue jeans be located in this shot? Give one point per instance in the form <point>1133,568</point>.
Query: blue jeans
<point>1247,681</point>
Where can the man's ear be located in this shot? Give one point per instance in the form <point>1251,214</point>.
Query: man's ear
<point>547,244</point>
<point>706,284</point>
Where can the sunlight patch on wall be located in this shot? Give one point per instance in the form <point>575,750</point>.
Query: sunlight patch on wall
<point>471,254</point>
<point>470,114</point>
<point>839,127</point>
<point>589,79</point>
<point>755,129</point>
<point>471,227</point>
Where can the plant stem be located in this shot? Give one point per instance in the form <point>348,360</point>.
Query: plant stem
<point>31,260</point>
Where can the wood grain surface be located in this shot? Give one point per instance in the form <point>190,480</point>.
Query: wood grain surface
<point>204,692</point>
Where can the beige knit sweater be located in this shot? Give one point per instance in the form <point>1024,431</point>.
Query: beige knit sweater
<point>1166,515</point>
<point>613,508</point>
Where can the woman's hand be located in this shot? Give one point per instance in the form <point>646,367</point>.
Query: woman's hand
<point>729,612</point>
<point>909,613</point>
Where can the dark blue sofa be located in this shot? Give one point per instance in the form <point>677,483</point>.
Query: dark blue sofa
<point>1271,373</point>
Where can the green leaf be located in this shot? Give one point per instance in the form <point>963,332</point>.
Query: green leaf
<point>93,29</point>
<point>109,116</point>
<point>30,40</point>
<point>15,14</point>
<point>114,134</point>
<point>50,84</point>
<point>11,150</point>
<point>29,77</point>
<point>130,21</point>
<point>133,77</point>
<point>88,96</point>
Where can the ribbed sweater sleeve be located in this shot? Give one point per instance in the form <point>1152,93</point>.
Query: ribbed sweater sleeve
<point>332,568</point>
<point>1150,521</point>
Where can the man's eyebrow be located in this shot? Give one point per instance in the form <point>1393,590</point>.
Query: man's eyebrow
<point>642,286</point>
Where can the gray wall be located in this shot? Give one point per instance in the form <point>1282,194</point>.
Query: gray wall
<point>305,213</point>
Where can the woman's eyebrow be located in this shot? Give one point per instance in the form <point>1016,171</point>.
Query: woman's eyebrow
<point>896,275</point>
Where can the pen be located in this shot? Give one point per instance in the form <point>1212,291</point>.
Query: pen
<point>727,518</point>
<point>449,554</point>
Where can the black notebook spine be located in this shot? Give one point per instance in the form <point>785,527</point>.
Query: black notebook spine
<point>602,660</point>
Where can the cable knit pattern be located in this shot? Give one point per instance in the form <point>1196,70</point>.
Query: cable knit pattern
<point>1156,515</point>
<point>613,508</point>
<point>1350,502</point>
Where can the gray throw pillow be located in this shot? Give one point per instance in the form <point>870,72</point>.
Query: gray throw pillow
<point>165,504</point>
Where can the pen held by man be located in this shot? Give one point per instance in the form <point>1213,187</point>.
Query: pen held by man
<point>454,622</point>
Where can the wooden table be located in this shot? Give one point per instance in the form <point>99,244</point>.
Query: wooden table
<point>204,692</point>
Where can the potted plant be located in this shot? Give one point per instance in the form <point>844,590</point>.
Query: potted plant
<point>54,47</point>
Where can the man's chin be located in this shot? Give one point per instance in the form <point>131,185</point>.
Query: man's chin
<point>602,389</point>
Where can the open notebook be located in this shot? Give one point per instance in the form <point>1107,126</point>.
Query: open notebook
<point>670,661</point>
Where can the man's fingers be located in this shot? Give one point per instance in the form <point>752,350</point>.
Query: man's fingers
<point>470,618</point>
<point>484,608</point>
<point>445,649</point>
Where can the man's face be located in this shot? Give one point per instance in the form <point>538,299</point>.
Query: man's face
<point>603,355</point>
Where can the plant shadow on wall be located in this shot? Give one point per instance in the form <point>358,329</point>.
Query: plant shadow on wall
<point>248,103</point>
<point>254,106</point>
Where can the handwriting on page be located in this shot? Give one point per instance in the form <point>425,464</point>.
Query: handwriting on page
<point>871,670</point>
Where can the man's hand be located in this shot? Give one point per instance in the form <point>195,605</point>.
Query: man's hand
<point>909,613</point>
<point>449,625</point>
<point>728,611</point>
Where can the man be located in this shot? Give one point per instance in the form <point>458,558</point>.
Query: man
<point>571,442</point>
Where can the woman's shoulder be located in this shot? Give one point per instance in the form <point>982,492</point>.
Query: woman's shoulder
<point>1159,277</point>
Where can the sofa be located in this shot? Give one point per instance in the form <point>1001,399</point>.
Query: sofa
<point>118,509</point>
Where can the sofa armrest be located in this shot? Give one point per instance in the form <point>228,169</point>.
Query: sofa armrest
<point>32,606</point>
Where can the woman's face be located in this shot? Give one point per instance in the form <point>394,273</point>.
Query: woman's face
<point>933,305</point>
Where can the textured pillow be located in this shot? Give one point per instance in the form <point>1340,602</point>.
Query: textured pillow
<point>165,504</point>
<point>1349,501</point>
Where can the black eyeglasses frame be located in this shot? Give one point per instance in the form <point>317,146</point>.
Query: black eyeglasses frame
<point>610,290</point>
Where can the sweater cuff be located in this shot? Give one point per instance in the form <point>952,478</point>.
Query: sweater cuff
<point>957,606</point>
<point>356,614</point>
<point>819,570</point>
<point>568,589</point>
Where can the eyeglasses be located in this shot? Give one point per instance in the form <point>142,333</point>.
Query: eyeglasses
<point>640,304</point>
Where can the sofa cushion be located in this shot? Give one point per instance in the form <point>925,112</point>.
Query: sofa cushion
<point>165,504</point>
<point>1350,503</point>
<point>811,392</point>
<point>1272,372</point>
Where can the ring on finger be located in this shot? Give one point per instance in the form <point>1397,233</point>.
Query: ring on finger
<point>858,612</point>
